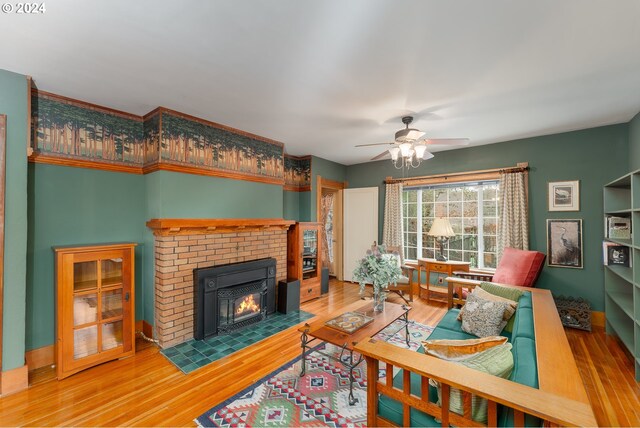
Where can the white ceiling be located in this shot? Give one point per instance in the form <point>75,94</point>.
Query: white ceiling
<point>324,75</point>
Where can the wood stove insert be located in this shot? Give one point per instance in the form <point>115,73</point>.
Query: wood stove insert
<point>234,296</point>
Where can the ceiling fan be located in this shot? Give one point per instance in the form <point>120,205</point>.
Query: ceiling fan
<point>410,145</point>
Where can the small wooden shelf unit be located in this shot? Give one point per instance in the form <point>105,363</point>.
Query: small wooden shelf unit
<point>622,284</point>
<point>304,259</point>
<point>95,305</point>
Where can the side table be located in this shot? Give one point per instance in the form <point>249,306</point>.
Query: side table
<point>433,265</point>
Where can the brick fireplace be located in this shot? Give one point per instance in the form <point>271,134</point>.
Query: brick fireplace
<point>182,245</point>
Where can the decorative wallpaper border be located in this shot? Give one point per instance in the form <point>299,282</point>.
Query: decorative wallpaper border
<point>297,173</point>
<point>75,133</point>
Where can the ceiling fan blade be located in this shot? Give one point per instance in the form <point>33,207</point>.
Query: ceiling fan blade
<point>381,155</point>
<point>447,142</point>
<point>375,144</point>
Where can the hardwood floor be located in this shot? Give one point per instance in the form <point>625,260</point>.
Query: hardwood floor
<point>609,377</point>
<point>147,390</point>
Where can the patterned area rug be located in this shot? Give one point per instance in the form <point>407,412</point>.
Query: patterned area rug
<point>320,398</point>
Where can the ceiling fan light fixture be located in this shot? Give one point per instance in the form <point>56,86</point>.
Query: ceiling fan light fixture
<point>420,150</point>
<point>394,152</point>
<point>409,134</point>
<point>405,149</point>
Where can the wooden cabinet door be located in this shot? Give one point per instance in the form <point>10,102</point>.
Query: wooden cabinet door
<point>96,308</point>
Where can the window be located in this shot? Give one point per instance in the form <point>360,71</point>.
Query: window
<point>472,210</point>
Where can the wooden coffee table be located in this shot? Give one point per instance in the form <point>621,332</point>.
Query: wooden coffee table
<point>317,330</point>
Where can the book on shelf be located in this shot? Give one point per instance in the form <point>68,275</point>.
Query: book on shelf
<point>617,227</point>
<point>616,255</point>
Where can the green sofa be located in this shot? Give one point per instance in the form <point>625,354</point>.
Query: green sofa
<point>525,369</point>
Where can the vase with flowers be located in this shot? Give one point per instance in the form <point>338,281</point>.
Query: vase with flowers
<point>380,269</point>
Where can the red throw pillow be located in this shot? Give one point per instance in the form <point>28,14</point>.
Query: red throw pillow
<point>519,267</point>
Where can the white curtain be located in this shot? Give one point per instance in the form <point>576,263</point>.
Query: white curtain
<point>392,228</point>
<point>513,229</point>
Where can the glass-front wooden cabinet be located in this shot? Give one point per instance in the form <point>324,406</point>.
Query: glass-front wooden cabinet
<point>303,259</point>
<point>95,320</point>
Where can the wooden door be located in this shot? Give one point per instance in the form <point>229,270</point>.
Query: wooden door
<point>360,218</point>
<point>95,322</point>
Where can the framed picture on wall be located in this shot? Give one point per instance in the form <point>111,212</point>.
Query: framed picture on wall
<point>564,243</point>
<point>564,196</point>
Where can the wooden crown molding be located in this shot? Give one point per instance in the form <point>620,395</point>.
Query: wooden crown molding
<point>163,166</point>
<point>294,188</point>
<point>35,156</point>
<point>199,226</point>
<point>40,157</point>
<point>298,157</point>
<point>87,105</point>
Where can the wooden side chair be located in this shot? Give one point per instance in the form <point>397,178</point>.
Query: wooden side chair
<point>405,283</point>
<point>517,267</point>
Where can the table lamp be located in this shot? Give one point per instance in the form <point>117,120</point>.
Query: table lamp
<point>442,231</point>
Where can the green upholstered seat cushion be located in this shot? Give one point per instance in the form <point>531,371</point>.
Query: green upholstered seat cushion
<point>391,409</point>
<point>523,324</point>
<point>525,300</point>
<point>525,369</point>
<point>450,321</point>
<point>525,372</point>
<point>445,333</point>
<point>499,290</point>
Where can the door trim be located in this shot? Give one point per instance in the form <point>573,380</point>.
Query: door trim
<point>337,186</point>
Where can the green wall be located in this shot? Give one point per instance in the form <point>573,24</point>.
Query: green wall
<point>634,143</point>
<point>177,195</point>
<point>593,156</point>
<point>325,169</point>
<point>291,205</point>
<point>304,206</point>
<point>13,103</point>
<point>197,196</point>
<point>70,206</point>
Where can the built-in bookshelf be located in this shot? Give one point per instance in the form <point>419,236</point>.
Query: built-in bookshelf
<point>622,283</point>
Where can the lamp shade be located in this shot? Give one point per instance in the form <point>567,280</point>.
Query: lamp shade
<point>441,227</point>
<point>393,151</point>
<point>420,150</point>
<point>405,148</point>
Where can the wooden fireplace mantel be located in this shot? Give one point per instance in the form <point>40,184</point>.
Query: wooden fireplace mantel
<point>200,226</point>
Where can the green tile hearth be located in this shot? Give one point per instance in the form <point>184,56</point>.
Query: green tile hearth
<point>193,354</point>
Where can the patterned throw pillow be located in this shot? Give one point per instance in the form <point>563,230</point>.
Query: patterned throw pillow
<point>482,317</point>
<point>502,291</point>
<point>497,361</point>
<point>511,309</point>
<point>455,350</point>
<point>508,313</point>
